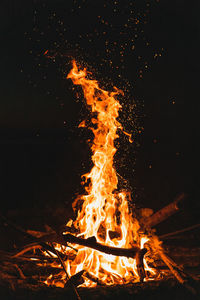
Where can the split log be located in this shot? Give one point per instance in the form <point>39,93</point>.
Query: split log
<point>163,213</point>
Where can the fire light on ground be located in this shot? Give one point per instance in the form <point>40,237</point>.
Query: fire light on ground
<point>103,212</point>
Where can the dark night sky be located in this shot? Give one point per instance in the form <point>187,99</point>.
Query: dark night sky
<point>150,49</point>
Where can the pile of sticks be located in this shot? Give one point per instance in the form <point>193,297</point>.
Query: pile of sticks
<point>31,259</point>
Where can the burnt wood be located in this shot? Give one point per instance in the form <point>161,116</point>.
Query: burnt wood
<point>92,243</point>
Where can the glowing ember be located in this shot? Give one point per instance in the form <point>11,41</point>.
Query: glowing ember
<point>104,212</point>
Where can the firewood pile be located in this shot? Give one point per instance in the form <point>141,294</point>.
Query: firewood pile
<point>24,270</point>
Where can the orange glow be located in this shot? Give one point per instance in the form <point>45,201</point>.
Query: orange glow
<point>45,53</point>
<point>103,210</point>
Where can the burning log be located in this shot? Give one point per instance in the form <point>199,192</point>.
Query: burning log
<point>134,252</point>
<point>89,242</point>
<point>92,243</point>
<point>140,264</point>
<point>64,239</point>
<point>163,213</point>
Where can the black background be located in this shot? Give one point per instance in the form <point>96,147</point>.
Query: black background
<point>43,154</point>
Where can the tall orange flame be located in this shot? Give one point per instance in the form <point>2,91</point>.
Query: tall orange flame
<point>104,211</point>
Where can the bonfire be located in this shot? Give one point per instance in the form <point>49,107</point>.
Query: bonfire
<point>107,243</point>
<point>104,215</point>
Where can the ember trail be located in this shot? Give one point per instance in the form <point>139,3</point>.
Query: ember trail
<point>104,215</point>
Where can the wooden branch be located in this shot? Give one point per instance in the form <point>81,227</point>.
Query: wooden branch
<point>26,249</point>
<point>134,252</point>
<point>20,271</point>
<point>163,213</point>
<point>179,274</point>
<point>169,265</point>
<point>168,235</point>
<point>92,243</point>
<point>40,245</point>
<point>65,270</point>
<point>35,242</point>
<point>140,263</point>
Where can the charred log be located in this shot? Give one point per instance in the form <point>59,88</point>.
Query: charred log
<point>163,213</point>
<point>92,243</point>
<point>140,264</point>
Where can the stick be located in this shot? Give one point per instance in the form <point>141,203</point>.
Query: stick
<point>36,242</point>
<point>92,243</point>
<point>26,249</point>
<point>179,231</point>
<point>127,252</point>
<point>140,264</point>
<point>63,265</point>
<point>20,271</point>
<point>174,272</point>
<point>37,245</point>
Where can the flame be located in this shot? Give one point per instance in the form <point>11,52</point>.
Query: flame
<point>104,212</point>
